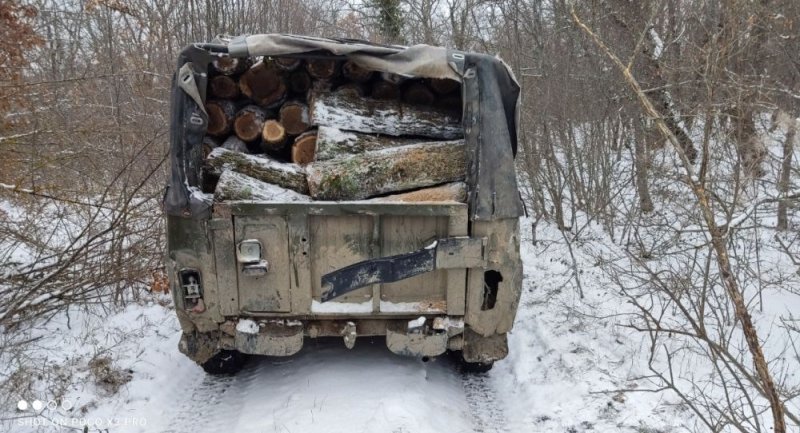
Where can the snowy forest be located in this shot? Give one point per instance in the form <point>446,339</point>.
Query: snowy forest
<point>658,165</point>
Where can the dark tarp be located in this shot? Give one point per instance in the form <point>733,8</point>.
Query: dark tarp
<point>490,95</point>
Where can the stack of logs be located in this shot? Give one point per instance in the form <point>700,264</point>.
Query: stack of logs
<point>288,129</point>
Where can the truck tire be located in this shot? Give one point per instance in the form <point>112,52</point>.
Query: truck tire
<point>475,367</point>
<point>226,362</point>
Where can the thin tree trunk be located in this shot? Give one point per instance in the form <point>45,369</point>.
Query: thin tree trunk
<point>786,170</point>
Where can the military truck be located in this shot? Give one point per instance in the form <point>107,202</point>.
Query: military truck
<point>259,275</point>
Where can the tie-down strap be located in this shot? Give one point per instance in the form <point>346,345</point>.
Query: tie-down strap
<point>447,253</point>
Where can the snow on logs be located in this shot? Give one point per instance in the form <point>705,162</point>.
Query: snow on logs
<point>262,168</point>
<point>346,110</point>
<point>378,136</point>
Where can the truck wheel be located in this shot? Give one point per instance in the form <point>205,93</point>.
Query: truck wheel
<point>224,362</point>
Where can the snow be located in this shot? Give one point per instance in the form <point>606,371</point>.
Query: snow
<point>411,307</point>
<point>416,323</point>
<point>257,190</point>
<point>247,326</point>
<point>334,307</point>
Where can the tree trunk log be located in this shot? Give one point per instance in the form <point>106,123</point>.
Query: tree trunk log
<point>230,65</point>
<point>304,148</point>
<point>416,92</point>
<point>294,117</point>
<point>300,82</point>
<point>347,111</point>
<point>384,171</point>
<point>355,73</point>
<point>223,87</point>
<point>235,144</point>
<point>288,64</point>
<point>385,90</point>
<point>220,117</point>
<point>449,192</point>
<point>249,122</point>
<point>259,167</point>
<point>274,135</point>
<point>333,143</point>
<point>263,84</point>
<point>236,186</point>
<point>322,69</point>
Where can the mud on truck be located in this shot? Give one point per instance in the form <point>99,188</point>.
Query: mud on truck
<point>339,188</point>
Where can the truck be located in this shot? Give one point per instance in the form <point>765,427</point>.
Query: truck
<point>431,276</point>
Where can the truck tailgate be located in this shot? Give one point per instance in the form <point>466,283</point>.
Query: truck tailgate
<point>301,242</point>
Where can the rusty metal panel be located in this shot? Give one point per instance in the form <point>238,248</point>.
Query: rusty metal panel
<point>300,271</point>
<point>336,242</point>
<point>403,234</point>
<point>225,264</point>
<point>270,291</point>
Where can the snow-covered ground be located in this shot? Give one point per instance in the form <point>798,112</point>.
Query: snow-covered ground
<point>568,360</point>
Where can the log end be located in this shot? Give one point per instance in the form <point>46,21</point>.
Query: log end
<point>274,135</point>
<point>294,118</point>
<point>304,148</point>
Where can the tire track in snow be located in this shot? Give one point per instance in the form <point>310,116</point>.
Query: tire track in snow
<point>487,411</point>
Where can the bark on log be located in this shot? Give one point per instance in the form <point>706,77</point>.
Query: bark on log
<point>227,65</point>
<point>235,144</point>
<point>237,186</point>
<point>263,84</point>
<point>223,87</point>
<point>304,148</point>
<point>220,117</point>
<point>418,93</point>
<point>385,90</point>
<point>444,86</point>
<point>389,170</point>
<point>294,117</point>
<point>249,122</point>
<point>274,135</point>
<point>288,63</point>
<point>209,144</point>
<point>299,82</point>
<point>356,73</point>
<point>259,167</point>
<point>322,69</point>
<point>349,112</point>
<point>449,192</point>
<point>333,143</point>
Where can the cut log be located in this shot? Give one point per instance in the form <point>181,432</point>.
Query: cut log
<point>349,112</point>
<point>384,171</point>
<point>237,186</point>
<point>209,144</point>
<point>263,84</point>
<point>299,82</point>
<point>294,117</point>
<point>274,135</point>
<point>353,89</point>
<point>333,142</point>
<point>444,86</point>
<point>304,148</point>
<point>356,73</point>
<point>416,92</point>
<point>259,167</point>
<point>322,69</point>
<point>449,192</point>
<point>224,87</point>
<point>227,65</point>
<point>249,122</point>
<point>385,90</point>
<point>288,63</point>
<point>235,144</point>
<point>220,117</point>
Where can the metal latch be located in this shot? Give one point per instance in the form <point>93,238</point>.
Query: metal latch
<point>249,253</point>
